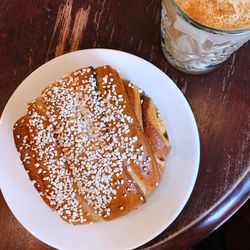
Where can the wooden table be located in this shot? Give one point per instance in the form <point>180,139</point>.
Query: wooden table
<point>32,32</point>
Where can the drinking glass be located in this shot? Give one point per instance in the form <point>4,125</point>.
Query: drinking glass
<point>192,47</point>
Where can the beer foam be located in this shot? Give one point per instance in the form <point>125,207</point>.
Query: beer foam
<point>218,14</point>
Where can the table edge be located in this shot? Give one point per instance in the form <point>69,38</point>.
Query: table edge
<point>230,203</point>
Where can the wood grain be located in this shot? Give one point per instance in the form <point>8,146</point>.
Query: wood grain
<point>62,25</point>
<point>79,26</point>
<point>33,32</point>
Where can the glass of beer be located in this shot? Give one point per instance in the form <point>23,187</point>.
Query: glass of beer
<point>198,35</point>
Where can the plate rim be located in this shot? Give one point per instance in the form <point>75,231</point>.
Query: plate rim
<point>191,115</point>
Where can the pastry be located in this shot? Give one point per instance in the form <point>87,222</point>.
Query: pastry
<point>93,145</point>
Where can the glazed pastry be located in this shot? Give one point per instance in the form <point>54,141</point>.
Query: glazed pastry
<point>151,122</point>
<point>92,145</point>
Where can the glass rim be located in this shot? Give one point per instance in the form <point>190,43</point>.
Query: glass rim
<point>198,25</point>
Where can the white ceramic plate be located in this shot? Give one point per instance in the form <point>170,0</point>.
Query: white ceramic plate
<point>165,203</point>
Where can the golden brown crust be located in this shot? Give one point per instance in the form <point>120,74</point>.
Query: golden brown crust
<point>84,149</point>
<point>135,99</point>
<point>158,138</point>
<point>155,128</point>
<point>61,198</point>
<point>144,158</point>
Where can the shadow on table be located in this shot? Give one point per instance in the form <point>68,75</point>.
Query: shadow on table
<point>233,235</point>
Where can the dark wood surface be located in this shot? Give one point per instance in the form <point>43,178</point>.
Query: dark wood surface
<point>33,32</point>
